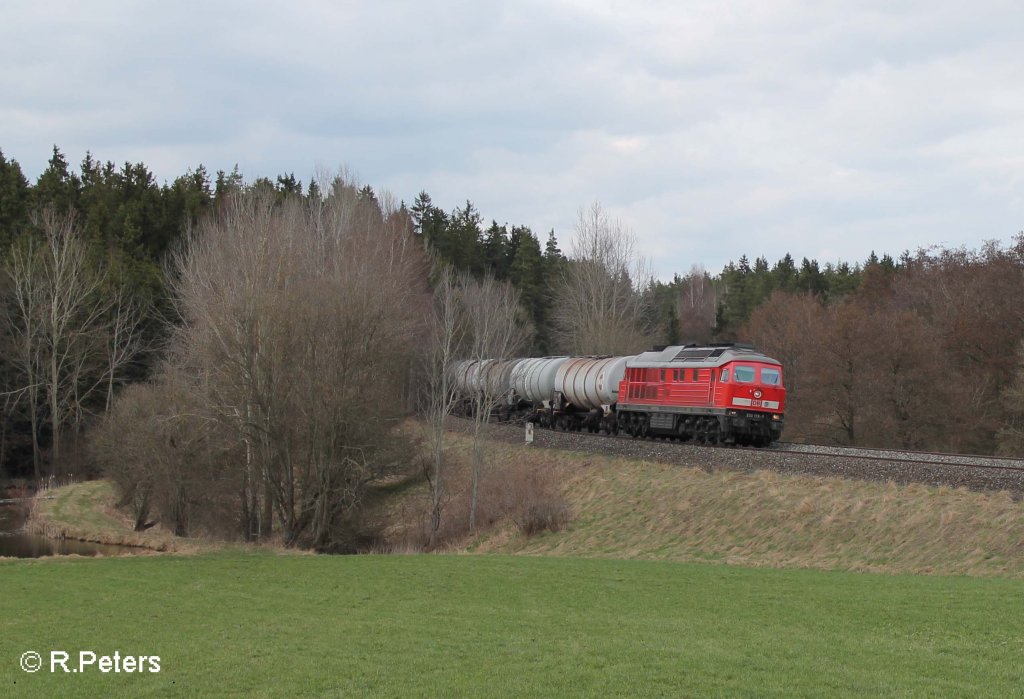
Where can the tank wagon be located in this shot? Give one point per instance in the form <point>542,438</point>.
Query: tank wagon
<point>718,393</point>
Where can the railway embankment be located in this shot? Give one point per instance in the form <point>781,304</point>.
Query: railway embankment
<point>658,502</point>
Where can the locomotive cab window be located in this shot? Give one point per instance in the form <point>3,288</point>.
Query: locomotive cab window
<point>745,374</point>
<point>770,377</point>
<point>725,376</point>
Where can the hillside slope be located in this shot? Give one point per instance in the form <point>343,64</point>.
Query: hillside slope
<point>635,509</point>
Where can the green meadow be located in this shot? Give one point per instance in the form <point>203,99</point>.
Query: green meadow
<point>265,624</point>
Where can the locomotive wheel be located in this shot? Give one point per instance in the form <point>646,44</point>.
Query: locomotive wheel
<point>714,434</point>
<point>683,432</point>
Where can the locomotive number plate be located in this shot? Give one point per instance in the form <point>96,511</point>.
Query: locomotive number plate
<point>756,403</point>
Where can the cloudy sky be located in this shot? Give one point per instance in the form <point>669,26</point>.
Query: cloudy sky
<point>710,129</point>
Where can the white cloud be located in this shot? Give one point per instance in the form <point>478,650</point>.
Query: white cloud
<point>712,129</point>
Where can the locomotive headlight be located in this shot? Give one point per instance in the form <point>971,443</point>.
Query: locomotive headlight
<point>757,393</point>
<point>776,417</point>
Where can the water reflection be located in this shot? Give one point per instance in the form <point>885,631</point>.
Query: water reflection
<point>18,544</point>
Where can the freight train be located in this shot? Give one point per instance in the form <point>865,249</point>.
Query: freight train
<point>727,393</point>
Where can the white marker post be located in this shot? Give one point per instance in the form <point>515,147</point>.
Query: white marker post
<point>529,433</point>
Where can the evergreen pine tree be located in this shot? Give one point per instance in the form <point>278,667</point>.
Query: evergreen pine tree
<point>14,201</point>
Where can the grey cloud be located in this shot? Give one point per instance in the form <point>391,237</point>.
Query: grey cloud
<point>712,129</point>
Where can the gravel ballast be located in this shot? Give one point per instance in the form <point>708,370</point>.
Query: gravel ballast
<point>973,472</point>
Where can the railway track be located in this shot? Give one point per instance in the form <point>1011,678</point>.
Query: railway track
<point>932,458</point>
<point>983,473</point>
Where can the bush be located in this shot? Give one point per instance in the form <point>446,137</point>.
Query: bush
<point>522,494</point>
<point>549,514</point>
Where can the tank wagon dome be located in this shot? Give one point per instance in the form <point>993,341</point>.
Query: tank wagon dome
<point>713,355</point>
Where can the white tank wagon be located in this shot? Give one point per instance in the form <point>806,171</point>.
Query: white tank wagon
<point>474,378</point>
<point>533,380</point>
<point>566,392</point>
<point>497,379</point>
<point>457,375</point>
<point>586,392</point>
<point>591,383</point>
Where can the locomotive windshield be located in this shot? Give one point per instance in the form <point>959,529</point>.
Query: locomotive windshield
<point>744,374</point>
<point>770,377</point>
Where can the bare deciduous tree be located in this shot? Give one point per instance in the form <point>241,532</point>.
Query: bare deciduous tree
<point>124,342</point>
<point>599,306</point>
<point>695,306</point>
<point>496,331</point>
<point>22,328</point>
<point>446,330</point>
<point>58,320</point>
<point>1011,435</point>
<point>300,319</point>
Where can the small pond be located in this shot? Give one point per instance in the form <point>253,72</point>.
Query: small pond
<point>15,542</point>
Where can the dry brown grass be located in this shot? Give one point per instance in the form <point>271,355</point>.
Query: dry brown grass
<point>87,512</point>
<point>629,509</point>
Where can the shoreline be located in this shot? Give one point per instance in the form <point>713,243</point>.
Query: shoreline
<point>86,512</point>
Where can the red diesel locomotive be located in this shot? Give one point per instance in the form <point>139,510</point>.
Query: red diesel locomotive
<point>716,394</point>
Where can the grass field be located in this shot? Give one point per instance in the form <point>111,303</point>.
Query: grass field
<point>436,626</point>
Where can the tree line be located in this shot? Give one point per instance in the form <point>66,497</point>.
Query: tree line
<point>238,354</point>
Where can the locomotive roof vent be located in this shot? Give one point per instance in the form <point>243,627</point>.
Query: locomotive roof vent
<point>712,350</point>
<point>692,355</point>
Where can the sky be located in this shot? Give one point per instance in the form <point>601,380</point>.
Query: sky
<point>709,130</point>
